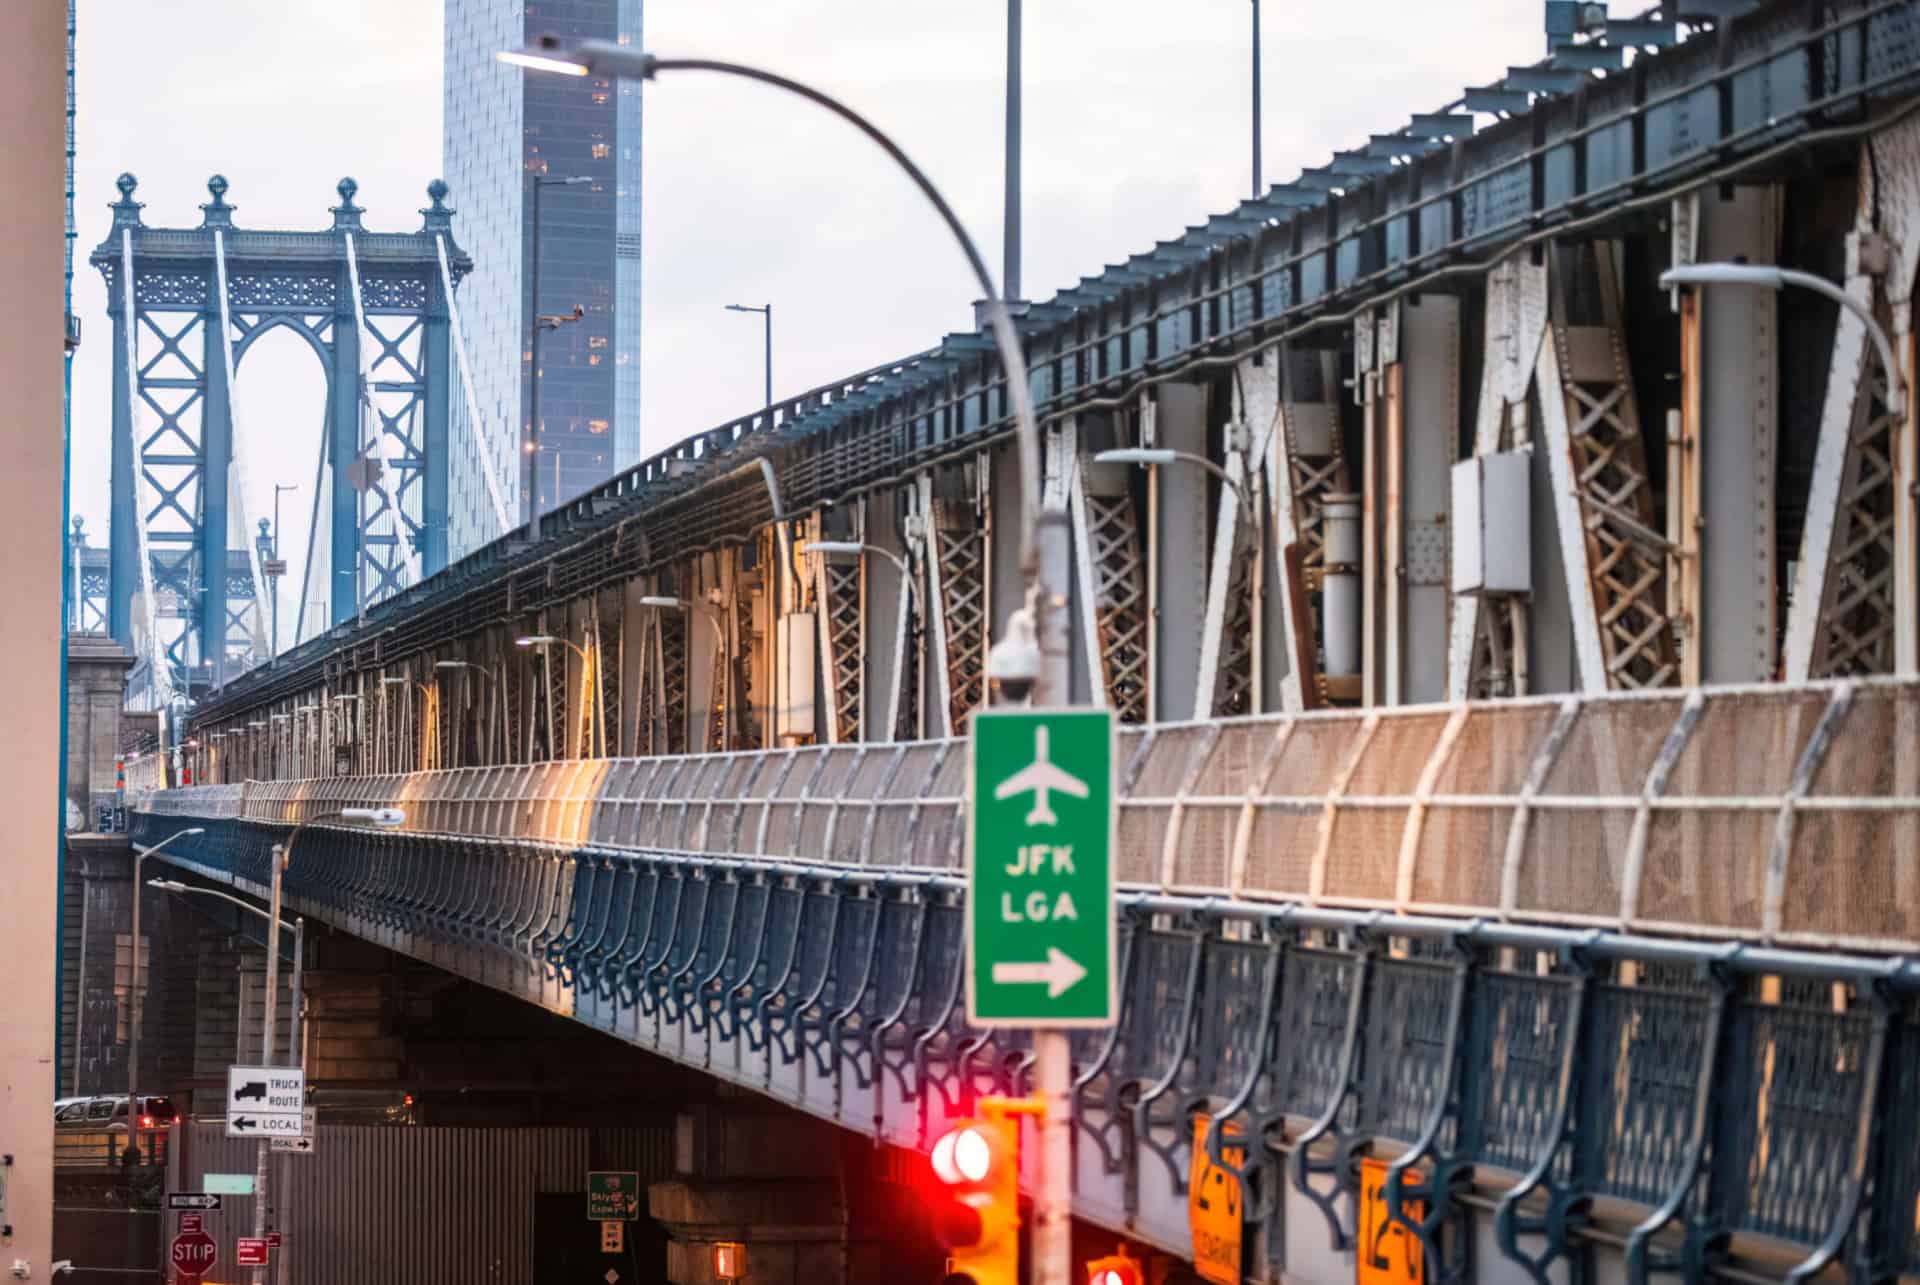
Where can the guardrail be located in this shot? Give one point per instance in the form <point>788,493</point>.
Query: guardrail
<point>1778,814</point>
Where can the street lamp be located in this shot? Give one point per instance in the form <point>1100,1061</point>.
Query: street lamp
<point>908,600</point>
<point>384,818</point>
<point>589,696</point>
<point>1032,654</point>
<point>133,1042</point>
<point>766,311</point>
<point>540,184</point>
<point>606,58</point>
<point>1149,456</point>
<point>297,928</point>
<point>1771,278</point>
<point>496,674</point>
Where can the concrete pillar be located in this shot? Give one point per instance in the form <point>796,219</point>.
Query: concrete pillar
<point>32,492</point>
<point>96,689</point>
<point>779,1183</point>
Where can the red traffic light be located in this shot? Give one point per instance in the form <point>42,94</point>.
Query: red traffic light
<point>963,1156</point>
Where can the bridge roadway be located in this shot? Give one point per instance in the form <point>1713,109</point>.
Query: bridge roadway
<point>1531,952</point>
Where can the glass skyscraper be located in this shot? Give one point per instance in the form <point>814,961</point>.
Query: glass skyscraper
<point>504,127</point>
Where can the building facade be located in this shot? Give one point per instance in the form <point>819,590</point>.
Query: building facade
<point>504,127</point>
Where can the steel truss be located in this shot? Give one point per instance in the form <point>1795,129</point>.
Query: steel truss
<point>1113,578</point>
<point>1625,554</point>
<point>960,535</point>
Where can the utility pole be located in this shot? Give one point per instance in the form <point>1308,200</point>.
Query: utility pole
<point>766,311</point>
<point>1257,186</point>
<point>1010,278</point>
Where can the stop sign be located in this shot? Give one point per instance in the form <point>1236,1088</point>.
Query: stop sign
<point>193,1254</point>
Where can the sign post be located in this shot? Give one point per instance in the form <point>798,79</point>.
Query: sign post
<point>1042,945</point>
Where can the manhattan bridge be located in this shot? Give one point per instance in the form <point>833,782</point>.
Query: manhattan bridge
<point>1502,561</point>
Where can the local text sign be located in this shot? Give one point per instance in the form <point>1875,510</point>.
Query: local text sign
<point>265,1102</point>
<point>1040,839</point>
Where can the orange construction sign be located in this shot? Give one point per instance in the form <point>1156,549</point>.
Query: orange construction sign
<point>1389,1253</point>
<point>1216,1207</point>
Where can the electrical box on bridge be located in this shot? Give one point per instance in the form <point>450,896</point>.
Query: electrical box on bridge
<point>798,647</point>
<point>1492,533</point>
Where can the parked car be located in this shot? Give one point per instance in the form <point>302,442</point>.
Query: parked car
<point>110,1113</point>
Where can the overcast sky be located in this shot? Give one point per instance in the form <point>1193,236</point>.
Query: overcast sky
<point>1136,126</point>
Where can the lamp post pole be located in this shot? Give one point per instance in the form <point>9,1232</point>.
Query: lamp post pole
<point>531,472</point>
<point>282,857</point>
<point>1039,624</point>
<point>1256,99</point>
<point>766,312</point>
<point>1010,276</point>
<point>296,1031</point>
<point>133,979</point>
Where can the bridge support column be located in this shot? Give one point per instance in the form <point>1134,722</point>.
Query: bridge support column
<point>785,1186</point>
<point>1720,483</point>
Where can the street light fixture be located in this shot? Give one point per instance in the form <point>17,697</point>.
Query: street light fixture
<point>1150,456</point>
<point>1771,278</point>
<point>587,676</point>
<point>133,1041</point>
<point>497,674</point>
<point>911,598</point>
<point>766,311</point>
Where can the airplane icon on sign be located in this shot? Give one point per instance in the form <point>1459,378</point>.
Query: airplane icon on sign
<point>1041,779</point>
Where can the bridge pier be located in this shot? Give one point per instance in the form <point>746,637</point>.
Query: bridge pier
<point>809,1201</point>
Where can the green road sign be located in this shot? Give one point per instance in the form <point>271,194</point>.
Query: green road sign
<point>1040,840</point>
<point>612,1196</point>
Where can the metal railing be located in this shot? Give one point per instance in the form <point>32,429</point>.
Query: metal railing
<point>1776,814</point>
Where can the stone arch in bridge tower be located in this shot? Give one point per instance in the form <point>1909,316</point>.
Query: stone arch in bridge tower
<point>186,305</point>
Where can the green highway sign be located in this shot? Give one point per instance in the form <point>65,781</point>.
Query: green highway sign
<point>1041,945</point>
<point>613,1196</point>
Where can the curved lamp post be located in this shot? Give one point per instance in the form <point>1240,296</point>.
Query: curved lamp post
<point>384,818</point>
<point>1771,278</point>
<point>133,1039</point>
<point>498,676</point>
<point>605,58</point>
<point>298,928</point>
<point>588,679</point>
<point>664,602</point>
<point>1149,456</point>
<point>1031,635</point>
<point>908,600</point>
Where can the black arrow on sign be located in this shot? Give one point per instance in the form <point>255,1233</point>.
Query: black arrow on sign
<point>243,1122</point>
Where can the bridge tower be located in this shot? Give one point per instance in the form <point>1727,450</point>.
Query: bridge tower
<point>186,305</point>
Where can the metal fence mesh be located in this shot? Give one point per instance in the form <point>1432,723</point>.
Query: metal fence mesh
<point>1790,813</point>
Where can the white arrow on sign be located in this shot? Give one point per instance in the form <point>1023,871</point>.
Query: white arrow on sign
<point>1059,973</point>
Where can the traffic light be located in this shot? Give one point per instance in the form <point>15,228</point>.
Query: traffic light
<point>978,1220</point>
<point>1115,1270</point>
